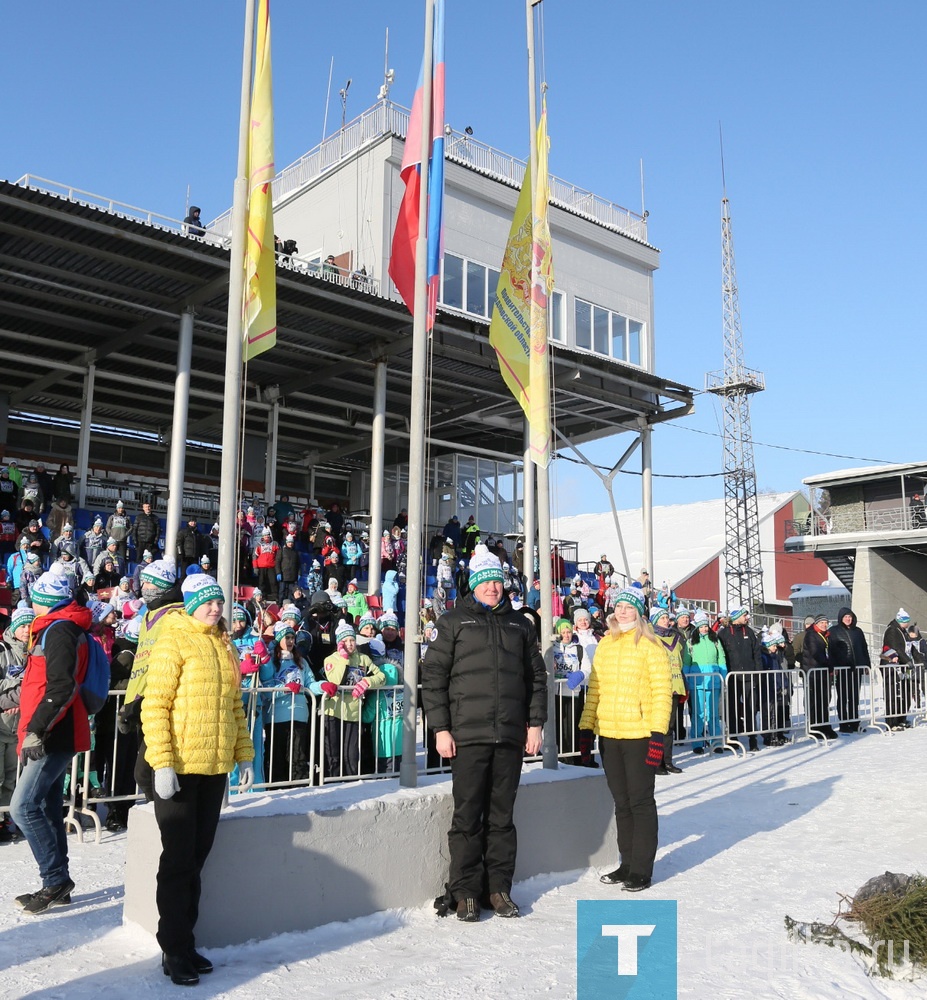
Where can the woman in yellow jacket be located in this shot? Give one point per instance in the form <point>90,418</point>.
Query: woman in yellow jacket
<point>628,705</point>
<point>195,733</point>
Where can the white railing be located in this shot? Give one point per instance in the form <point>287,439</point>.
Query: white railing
<point>877,519</point>
<point>386,118</point>
<point>723,709</point>
<point>119,208</point>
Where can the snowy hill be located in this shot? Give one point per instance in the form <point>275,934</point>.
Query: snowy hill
<point>685,536</point>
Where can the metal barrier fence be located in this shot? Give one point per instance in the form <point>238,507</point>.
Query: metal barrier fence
<point>303,740</point>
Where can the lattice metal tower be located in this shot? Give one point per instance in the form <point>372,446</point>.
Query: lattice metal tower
<point>735,385</point>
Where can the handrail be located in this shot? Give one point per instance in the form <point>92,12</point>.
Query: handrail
<point>114,207</point>
<point>865,519</point>
<point>387,118</point>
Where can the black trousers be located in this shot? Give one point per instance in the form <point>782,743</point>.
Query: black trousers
<point>817,697</point>
<point>267,581</point>
<point>482,841</point>
<point>188,824</point>
<point>342,748</point>
<point>631,782</point>
<point>742,702</point>
<point>846,681</point>
<point>285,751</point>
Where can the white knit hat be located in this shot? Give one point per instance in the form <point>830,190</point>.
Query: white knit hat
<point>159,573</point>
<point>50,590</point>
<point>484,567</point>
<point>344,630</point>
<point>198,589</point>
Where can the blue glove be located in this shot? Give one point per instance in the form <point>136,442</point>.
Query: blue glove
<point>574,679</point>
<point>279,577</point>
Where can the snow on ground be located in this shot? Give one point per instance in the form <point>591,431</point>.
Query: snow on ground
<point>742,844</point>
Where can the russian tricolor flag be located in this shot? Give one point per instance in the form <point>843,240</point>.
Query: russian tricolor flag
<point>405,235</point>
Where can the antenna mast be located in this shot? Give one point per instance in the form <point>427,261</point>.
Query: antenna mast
<point>734,386</point>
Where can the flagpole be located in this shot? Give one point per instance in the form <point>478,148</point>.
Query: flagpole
<point>231,407</point>
<point>408,770</point>
<point>545,569</point>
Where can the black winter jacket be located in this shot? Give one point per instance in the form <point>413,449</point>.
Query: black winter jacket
<point>145,532</point>
<point>742,648</point>
<point>483,678</point>
<point>288,564</point>
<point>895,638</point>
<point>847,645</point>
<point>815,651</point>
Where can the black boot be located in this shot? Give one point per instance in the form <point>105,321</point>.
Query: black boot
<point>180,969</point>
<point>200,962</point>
<point>618,876</point>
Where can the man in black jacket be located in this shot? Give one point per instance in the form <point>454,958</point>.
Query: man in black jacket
<point>146,531</point>
<point>484,693</point>
<point>189,542</point>
<point>848,653</point>
<point>743,653</point>
<point>817,667</point>
<point>287,569</point>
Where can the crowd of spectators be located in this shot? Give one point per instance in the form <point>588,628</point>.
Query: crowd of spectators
<point>311,639</point>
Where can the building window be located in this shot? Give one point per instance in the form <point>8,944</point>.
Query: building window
<point>609,333</point>
<point>583,318</point>
<point>452,292</point>
<point>468,285</point>
<point>476,288</point>
<point>471,287</point>
<point>556,329</point>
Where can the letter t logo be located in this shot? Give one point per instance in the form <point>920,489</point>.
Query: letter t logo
<point>627,935</point>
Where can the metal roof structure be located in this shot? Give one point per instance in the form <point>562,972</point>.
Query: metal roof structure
<point>81,284</point>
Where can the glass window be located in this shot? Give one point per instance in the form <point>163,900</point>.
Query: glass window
<point>635,341</point>
<point>600,330</point>
<point>476,288</point>
<point>555,317</point>
<point>582,312</point>
<point>492,285</point>
<point>452,294</point>
<point>618,337</point>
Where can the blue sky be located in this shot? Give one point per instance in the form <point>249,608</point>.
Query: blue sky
<point>821,103</point>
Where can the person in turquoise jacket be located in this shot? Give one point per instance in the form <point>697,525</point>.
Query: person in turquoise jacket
<point>705,681</point>
<point>384,712</point>
<point>252,653</point>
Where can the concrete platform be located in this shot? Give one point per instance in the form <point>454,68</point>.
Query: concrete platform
<point>290,862</point>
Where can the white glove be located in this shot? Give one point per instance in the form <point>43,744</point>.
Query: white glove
<point>245,775</point>
<point>166,783</point>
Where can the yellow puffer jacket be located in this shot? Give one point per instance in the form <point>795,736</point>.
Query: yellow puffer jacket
<point>630,691</point>
<point>192,714</point>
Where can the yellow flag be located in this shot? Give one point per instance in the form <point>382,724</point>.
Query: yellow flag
<point>260,305</point>
<point>518,328</point>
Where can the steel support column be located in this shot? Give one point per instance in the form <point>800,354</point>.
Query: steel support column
<point>83,442</point>
<point>647,496</point>
<point>377,445</point>
<point>179,434</point>
<point>270,460</point>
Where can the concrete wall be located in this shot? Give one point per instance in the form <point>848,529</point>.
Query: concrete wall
<point>338,853</point>
<point>885,581</point>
